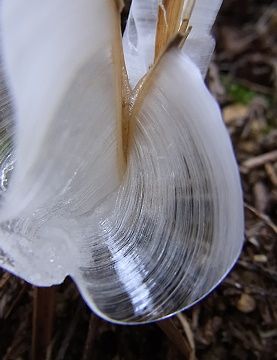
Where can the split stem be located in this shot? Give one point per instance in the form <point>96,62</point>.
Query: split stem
<point>169,22</point>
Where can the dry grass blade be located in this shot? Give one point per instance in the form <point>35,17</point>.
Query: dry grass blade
<point>189,334</point>
<point>174,335</point>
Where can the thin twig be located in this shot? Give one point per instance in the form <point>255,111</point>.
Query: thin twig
<point>270,274</point>
<point>266,219</point>
<point>271,173</point>
<point>261,196</point>
<point>260,160</point>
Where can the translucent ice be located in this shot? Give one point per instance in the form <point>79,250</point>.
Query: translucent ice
<point>135,195</point>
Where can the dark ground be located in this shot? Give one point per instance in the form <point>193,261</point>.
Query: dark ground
<point>239,319</point>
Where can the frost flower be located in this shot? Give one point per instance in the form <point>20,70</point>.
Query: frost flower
<point>117,173</point>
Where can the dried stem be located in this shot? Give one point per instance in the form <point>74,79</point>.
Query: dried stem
<point>260,160</point>
<point>187,14</point>
<point>122,83</point>
<point>120,5</point>
<point>169,22</point>
<point>43,319</point>
<point>173,24</point>
<point>175,336</point>
<point>266,219</point>
<point>172,30</point>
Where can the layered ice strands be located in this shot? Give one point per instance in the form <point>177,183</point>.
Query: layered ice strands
<point>116,167</point>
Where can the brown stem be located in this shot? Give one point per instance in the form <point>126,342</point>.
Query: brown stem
<point>43,319</point>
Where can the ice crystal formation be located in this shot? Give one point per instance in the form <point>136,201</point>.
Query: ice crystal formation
<point>116,167</point>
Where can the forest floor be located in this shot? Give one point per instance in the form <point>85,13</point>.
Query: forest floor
<point>239,319</point>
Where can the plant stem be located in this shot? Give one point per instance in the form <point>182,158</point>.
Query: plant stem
<point>173,20</point>
<point>169,22</point>
<point>175,336</point>
<point>43,320</point>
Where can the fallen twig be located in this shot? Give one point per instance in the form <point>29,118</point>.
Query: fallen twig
<point>259,160</point>
<point>271,274</point>
<point>261,196</point>
<point>271,173</point>
<point>265,218</point>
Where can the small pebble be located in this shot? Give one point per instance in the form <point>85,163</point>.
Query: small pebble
<point>246,304</point>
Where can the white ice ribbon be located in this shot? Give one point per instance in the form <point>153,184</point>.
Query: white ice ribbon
<point>143,234</point>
